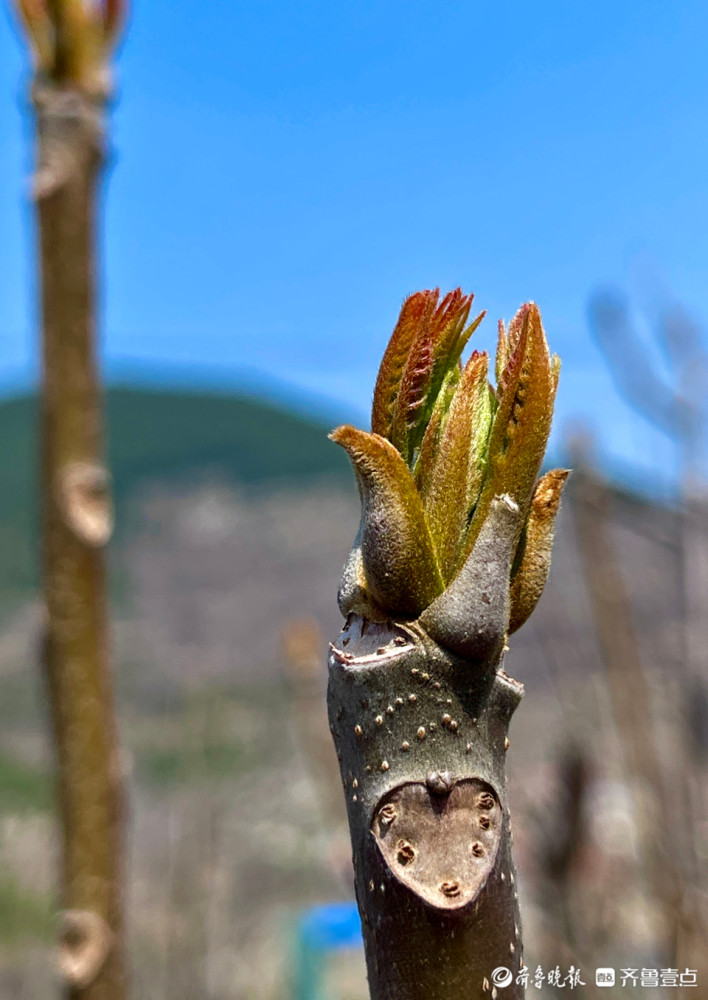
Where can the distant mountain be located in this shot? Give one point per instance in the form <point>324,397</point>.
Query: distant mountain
<point>170,435</point>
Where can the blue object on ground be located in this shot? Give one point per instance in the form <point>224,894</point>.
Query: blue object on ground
<point>330,927</point>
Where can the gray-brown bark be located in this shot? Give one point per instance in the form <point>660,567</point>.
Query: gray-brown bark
<point>76,526</point>
<point>422,739</point>
<point>421,736</point>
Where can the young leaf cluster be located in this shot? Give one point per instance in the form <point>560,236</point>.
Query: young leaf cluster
<point>71,40</point>
<point>443,444</point>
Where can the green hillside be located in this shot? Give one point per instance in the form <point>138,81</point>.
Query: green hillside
<point>153,434</point>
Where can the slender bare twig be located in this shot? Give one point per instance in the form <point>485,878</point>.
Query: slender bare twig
<point>71,42</point>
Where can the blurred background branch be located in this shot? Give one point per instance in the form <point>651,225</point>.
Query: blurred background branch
<point>71,42</point>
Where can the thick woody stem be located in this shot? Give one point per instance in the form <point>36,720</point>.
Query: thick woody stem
<point>421,737</point>
<point>77,523</point>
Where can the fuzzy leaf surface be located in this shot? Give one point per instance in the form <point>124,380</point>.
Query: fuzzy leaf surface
<point>458,471</point>
<point>402,573</point>
<point>533,558</point>
<point>522,421</point>
<point>424,349</point>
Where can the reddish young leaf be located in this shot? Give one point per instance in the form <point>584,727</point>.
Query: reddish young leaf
<point>115,14</point>
<point>502,357</point>
<point>533,557</point>
<point>516,326</point>
<point>35,15</point>
<point>415,316</point>
<point>425,347</point>
<point>409,409</point>
<point>433,356</point>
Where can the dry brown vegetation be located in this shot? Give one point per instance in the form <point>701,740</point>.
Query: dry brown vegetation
<point>235,822</point>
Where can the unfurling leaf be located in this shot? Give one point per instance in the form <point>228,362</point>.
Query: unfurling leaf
<point>522,421</point>
<point>425,348</point>
<point>457,473</point>
<point>533,558</point>
<point>115,14</point>
<point>427,453</point>
<point>502,357</point>
<point>447,477</point>
<point>415,316</point>
<point>402,574</point>
<point>434,355</point>
<point>35,15</point>
<point>70,39</point>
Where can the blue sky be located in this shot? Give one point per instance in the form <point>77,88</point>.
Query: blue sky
<point>285,172</point>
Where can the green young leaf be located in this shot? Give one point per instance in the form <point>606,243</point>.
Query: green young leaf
<point>533,557</point>
<point>522,421</point>
<point>427,453</point>
<point>458,470</point>
<point>401,571</point>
